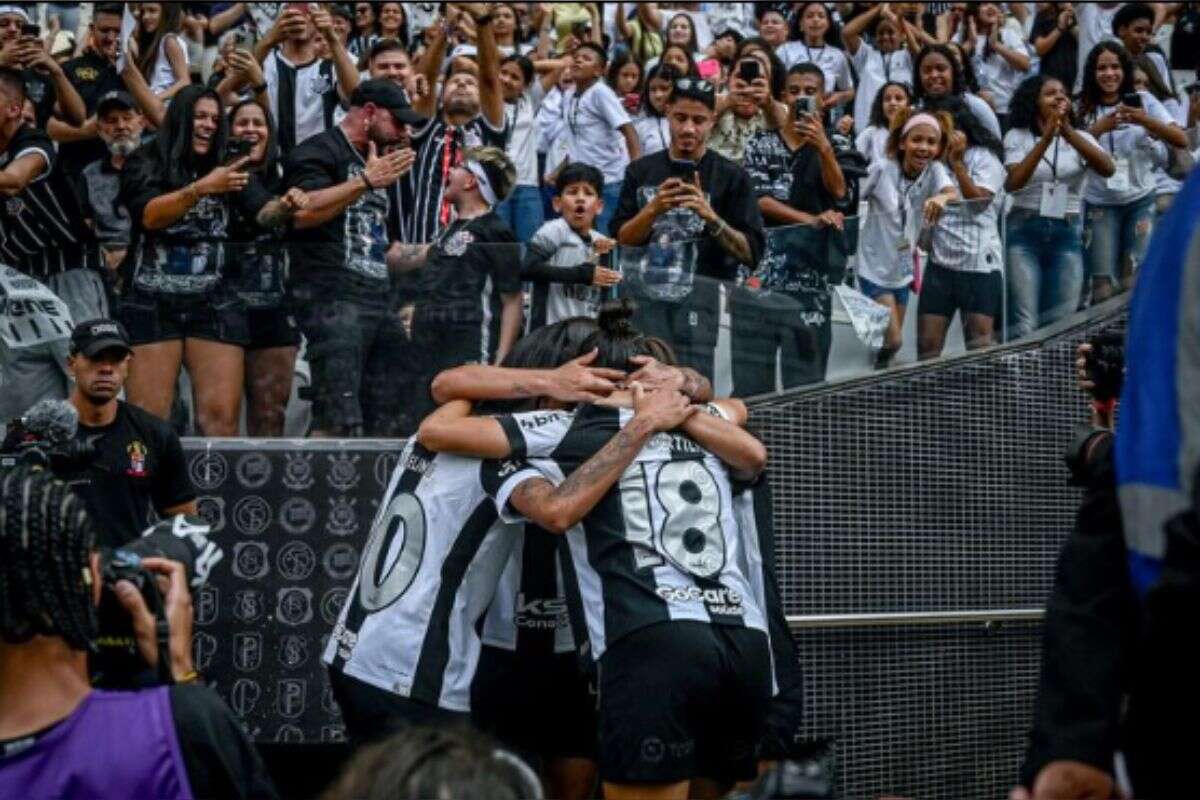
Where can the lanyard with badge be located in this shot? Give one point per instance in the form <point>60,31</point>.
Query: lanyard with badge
<point>905,242</point>
<point>1054,194</point>
<point>1119,181</point>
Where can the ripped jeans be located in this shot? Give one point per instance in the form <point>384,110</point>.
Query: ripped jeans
<point>1111,234</point>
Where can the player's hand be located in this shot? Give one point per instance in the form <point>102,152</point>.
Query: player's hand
<point>577,382</point>
<point>225,179</point>
<point>664,409</point>
<point>605,277</point>
<point>1067,780</point>
<point>177,604</point>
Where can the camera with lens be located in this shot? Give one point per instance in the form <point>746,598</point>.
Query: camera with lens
<point>45,437</point>
<point>117,662</point>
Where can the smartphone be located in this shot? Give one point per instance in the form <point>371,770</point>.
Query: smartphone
<point>299,8</point>
<point>242,40</point>
<point>237,148</point>
<point>805,106</point>
<point>31,31</point>
<point>748,70</point>
<point>684,170</point>
<point>1133,100</point>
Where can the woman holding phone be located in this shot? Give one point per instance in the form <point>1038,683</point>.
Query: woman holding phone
<point>181,191</point>
<point>1129,125</point>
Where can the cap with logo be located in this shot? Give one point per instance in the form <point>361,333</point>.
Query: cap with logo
<point>115,99</point>
<point>386,94</point>
<point>97,335</point>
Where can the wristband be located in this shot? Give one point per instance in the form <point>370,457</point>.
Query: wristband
<point>366,181</point>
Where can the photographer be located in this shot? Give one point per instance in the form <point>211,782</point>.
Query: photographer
<point>139,461</point>
<point>58,736</point>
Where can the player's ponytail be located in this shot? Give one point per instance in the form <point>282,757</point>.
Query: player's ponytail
<point>617,340</point>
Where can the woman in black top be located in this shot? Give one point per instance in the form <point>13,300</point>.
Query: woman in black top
<point>260,258</point>
<point>1053,38</point>
<point>180,308</point>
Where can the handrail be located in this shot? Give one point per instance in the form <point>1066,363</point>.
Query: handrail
<point>905,618</point>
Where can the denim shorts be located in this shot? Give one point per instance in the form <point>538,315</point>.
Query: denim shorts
<point>873,290</point>
<point>218,316</point>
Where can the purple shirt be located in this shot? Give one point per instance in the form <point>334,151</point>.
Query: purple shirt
<point>115,744</point>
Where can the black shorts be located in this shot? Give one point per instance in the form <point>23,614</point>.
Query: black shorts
<point>681,700</point>
<point>218,317</point>
<point>370,713</point>
<point>272,327</point>
<point>945,291</point>
<point>541,707</point>
<point>781,734</point>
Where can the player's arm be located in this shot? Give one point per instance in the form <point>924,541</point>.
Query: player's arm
<point>653,374</point>
<point>573,382</point>
<point>558,508</point>
<point>720,433</point>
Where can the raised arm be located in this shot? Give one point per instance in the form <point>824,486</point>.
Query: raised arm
<point>430,63</point>
<point>722,435</point>
<point>852,33</point>
<point>574,382</point>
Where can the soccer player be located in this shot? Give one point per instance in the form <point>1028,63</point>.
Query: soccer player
<point>658,568</point>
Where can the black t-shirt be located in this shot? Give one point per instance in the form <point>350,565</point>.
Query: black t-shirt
<point>40,229</point>
<point>471,263</point>
<point>729,193</point>
<point>357,239</point>
<point>93,76</point>
<point>220,760</point>
<point>41,92</point>
<point>1062,61</point>
<point>187,257</point>
<point>1185,39</point>
<point>140,467</point>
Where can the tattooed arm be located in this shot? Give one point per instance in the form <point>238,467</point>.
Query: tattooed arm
<point>557,508</point>
<point>573,382</point>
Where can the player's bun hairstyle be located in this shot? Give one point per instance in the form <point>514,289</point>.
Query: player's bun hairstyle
<point>616,341</point>
<point>46,540</point>
<point>501,172</point>
<point>426,762</point>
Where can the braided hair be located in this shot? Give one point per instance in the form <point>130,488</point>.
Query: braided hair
<point>46,540</point>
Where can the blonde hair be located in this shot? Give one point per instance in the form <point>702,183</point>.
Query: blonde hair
<point>499,167</point>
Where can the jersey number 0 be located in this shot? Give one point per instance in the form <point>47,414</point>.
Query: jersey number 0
<point>393,553</point>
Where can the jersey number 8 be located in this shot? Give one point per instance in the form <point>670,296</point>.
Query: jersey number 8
<point>385,576</point>
<point>690,534</point>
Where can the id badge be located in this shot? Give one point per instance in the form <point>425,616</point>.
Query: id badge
<point>1119,181</point>
<point>1054,200</point>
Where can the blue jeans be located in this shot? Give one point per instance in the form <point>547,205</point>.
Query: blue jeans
<point>522,210</point>
<point>1045,270</point>
<point>612,193</point>
<point>1112,233</point>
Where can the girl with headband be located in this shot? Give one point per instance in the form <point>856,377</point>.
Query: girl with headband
<point>906,191</point>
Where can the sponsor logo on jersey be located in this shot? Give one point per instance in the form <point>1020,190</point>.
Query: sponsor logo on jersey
<point>540,613</point>
<point>137,459</point>
<point>419,465</point>
<point>531,422</point>
<point>719,601</point>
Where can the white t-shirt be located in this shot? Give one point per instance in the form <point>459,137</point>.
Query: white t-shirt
<point>966,237</point>
<point>995,73</point>
<point>1060,159</point>
<point>1133,145</point>
<point>654,133</point>
<point>592,122</point>
<point>567,249</point>
<point>830,59</point>
<point>983,112</point>
<point>872,143</point>
<point>521,118</point>
<point>894,219</point>
<point>1094,27</point>
<point>162,77</point>
<point>704,36</point>
<point>874,70</point>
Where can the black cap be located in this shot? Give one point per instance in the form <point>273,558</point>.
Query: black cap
<point>115,99</point>
<point>97,335</point>
<point>386,94</point>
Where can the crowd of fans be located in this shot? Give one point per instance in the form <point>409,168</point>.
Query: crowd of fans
<point>261,191</point>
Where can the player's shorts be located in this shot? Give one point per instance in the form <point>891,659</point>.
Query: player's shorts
<point>945,291</point>
<point>541,707</point>
<point>680,700</point>
<point>781,735</point>
<point>370,713</point>
<point>272,327</point>
<point>217,317</point>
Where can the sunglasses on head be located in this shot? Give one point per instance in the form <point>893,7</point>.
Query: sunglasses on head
<point>694,85</point>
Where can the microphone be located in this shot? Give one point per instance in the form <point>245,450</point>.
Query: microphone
<point>53,421</point>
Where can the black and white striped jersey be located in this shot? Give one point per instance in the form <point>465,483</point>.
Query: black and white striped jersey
<point>428,573</point>
<point>438,148</point>
<point>304,97</point>
<point>41,229</point>
<point>529,614</point>
<point>663,545</point>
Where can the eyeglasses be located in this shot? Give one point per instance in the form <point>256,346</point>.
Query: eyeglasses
<point>694,85</point>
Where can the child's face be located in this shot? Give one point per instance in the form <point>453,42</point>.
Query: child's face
<point>151,15</point>
<point>920,146</point>
<point>579,204</point>
<point>815,23</point>
<point>512,81</point>
<point>660,90</point>
<point>894,99</point>
<point>628,78</point>
<point>587,64</point>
